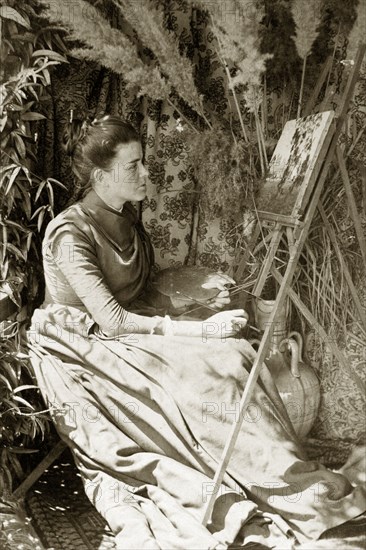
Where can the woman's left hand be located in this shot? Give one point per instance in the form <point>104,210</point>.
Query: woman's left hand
<point>219,280</point>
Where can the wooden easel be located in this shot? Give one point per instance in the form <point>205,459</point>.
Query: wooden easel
<point>288,200</point>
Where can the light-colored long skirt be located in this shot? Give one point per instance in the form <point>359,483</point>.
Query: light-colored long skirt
<point>147,417</point>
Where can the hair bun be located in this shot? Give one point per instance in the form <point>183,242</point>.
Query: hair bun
<point>74,133</point>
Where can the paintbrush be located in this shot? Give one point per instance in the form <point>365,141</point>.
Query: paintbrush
<point>207,306</point>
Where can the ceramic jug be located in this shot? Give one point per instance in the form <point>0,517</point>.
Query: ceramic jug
<point>296,382</point>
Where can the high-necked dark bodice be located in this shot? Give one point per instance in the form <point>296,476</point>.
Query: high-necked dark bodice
<point>97,259</point>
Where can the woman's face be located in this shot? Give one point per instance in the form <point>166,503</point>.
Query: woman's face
<point>126,179</point>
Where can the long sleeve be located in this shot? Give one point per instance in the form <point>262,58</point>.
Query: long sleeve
<point>75,256</point>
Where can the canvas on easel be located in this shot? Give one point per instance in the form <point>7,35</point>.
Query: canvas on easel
<point>294,167</point>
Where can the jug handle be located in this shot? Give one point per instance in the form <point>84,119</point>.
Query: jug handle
<point>295,357</point>
<point>293,347</point>
<point>297,336</point>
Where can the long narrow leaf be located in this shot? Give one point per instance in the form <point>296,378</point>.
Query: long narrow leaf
<point>56,182</point>
<point>5,238</point>
<point>40,220</point>
<point>6,382</point>
<point>23,401</point>
<point>25,387</point>
<point>29,240</point>
<point>32,116</point>
<point>51,196</point>
<point>6,168</point>
<point>15,224</point>
<point>51,55</point>
<point>12,248</point>
<point>22,451</point>
<point>10,13</point>
<point>39,191</point>
<point>27,174</point>
<point>12,179</point>
<point>19,144</point>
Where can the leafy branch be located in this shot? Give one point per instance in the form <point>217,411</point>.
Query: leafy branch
<point>26,200</point>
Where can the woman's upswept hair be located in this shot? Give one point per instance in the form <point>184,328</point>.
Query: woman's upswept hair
<point>94,145</point>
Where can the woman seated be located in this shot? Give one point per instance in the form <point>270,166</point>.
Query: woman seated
<point>146,402</point>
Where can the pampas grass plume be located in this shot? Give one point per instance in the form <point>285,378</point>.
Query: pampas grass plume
<point>358,31</point>
<point>307,18</point>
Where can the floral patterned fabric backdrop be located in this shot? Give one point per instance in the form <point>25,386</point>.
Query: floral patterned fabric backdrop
<point>172,212</point>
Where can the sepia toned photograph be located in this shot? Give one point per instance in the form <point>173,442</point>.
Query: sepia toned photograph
<point>183,275</point>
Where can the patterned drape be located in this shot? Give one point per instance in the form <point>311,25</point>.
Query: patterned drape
<point>172,211</point>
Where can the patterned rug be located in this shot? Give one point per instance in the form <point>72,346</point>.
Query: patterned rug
<point>62,515</point>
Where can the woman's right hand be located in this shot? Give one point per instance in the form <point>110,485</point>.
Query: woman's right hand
<point>225,324</point>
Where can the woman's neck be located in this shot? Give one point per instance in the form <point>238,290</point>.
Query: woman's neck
<point>105,200</point>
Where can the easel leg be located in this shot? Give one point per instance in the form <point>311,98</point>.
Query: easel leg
<point>266,267</point>
<point>20,491</point>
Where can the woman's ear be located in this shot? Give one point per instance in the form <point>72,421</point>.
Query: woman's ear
<point>98,175</point>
